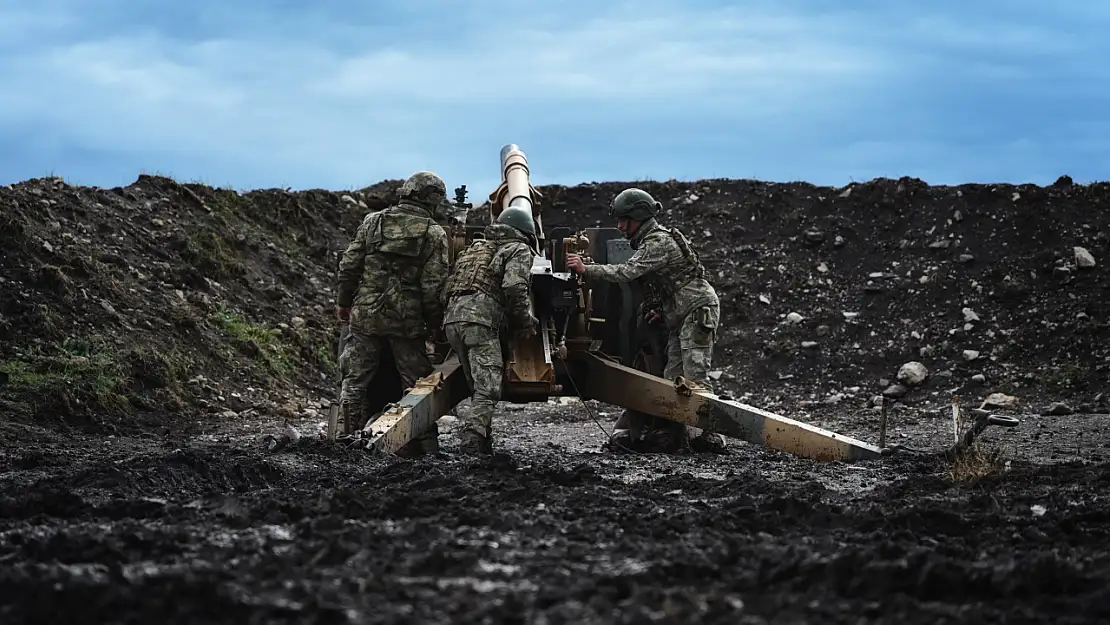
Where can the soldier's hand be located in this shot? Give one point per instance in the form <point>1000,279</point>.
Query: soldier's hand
<point>530,330</point>
<point>574,263</point>
<point>343,314</point>
<point>652,316</point>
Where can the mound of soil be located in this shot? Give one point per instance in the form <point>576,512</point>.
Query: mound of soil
<point>162,298</point>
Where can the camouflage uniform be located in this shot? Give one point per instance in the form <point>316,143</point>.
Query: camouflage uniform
<point>391,277</point>
<point>674,284</point>
<point>489,292</point>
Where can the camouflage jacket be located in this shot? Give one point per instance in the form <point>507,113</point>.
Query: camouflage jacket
<point>393,272</point>
<point>668,268</point>
<point>501,293</point>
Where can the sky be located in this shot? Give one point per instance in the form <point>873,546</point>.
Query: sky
<point>341,94</point>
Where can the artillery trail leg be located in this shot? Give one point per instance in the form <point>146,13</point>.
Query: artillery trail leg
<point>432,397</point>
<point>619,385</point>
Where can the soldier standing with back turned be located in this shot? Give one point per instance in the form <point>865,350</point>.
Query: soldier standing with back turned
<point>675,291</point>
<point>489,292</point>
<point>390,280</point>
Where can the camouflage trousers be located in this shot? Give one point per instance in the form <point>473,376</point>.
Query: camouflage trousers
<point>361,360</point>
<point>690,346</point>
<point>479,351</point>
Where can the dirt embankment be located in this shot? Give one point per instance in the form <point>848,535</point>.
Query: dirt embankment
<point>157,303</point>
<point>126,305</point>
<point>162,298</point>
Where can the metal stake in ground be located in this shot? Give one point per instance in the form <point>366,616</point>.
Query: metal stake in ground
<point>882,423</point>
<point>956,419</point>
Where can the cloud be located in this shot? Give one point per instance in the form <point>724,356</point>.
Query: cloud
<point>338,94</point>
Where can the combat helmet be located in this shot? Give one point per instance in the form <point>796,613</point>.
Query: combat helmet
<point>424,187</point>
<point>635,204</point>
<point>518,218</point>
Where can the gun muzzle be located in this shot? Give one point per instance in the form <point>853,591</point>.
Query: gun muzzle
<point>515,175</point>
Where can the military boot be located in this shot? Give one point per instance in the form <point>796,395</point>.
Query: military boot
<point>620,442</point>
<point>667,437</point>
<point>477,432</point>
<point>473,443</point>
<point>708,442</point>
<point>663,441</point>
<point>626,432</point>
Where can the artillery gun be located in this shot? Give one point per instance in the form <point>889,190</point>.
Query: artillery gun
<point>591,344</point>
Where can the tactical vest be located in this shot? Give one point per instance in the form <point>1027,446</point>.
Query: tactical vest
<point>662,285</point>
<point>474,272</point>
<point>397,241</point>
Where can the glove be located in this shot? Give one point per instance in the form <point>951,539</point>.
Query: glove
<point>529,331</point>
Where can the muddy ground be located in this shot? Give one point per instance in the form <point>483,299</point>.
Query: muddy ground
<point>209,529</point>
<point>150,336</point>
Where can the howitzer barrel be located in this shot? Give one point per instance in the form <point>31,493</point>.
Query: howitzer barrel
<point>515,175</point>
<point>516,189</point>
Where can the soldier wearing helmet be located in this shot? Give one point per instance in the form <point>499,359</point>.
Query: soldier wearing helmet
<point>488,295</point>
<point>390,280</point>
<point>676,292</point>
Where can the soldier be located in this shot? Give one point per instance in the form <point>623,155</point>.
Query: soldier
<point>390,280</point>
<point>490,291</point>
<point>675,291</point>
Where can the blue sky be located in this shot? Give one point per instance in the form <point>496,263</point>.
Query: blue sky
<point>341,94</point>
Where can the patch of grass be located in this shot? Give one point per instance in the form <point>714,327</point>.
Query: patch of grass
<point>315,352</point>
<point>80,375</point>
<point>254,340</point>
<point>978,462</point>
<point>326,360</point>
<point>227,205</point>
<point>44,317</point>
<point>154,369</point>
<point>181,315</point>
<point>210,254</point>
